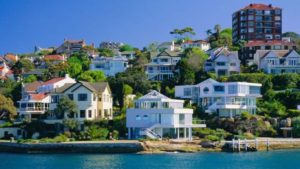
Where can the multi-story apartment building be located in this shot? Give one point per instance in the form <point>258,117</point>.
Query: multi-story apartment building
<point>110,65</point>
<point>162,66</point>
<point>156,116</point>
<point>114,46</point>
<point>223,62</point>
<point>36,96</point>
<point>202,44</point>
<point>274,62</point>
<point>257,22</point>
<point>70,46</point>
<point>93,101</point>
<point>227,99</point>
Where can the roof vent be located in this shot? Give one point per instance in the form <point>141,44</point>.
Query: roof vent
<point>270,5</point>
<point>251,4</point>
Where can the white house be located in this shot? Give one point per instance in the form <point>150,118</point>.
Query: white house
<point>162,66</point>
<point>110,65</point>
<point>202,44</point>
<point>227,99</point>
<point>158,116</point>
<point>223,62</point>
<point>93,101</point>
<point>35,96</point>
<point>278,63</point>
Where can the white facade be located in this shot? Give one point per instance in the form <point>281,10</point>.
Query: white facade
<point>274,63</point>
<point>35,99</point>
<point>161,66</point>
<point>157,116</point>
<point>93,101</point>
<point>227,99</point>
<point>222,62</point>
<point>110,65</point>
<point>203,45</point>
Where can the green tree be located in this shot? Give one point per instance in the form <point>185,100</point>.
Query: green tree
<point>106,52</point>
<point>271,109</point>
<point>66,107</point>
<point>126,47</point>
<point>183,34</point>
<point>7,109</point>
<point>30,79</point>
<point>127,90</point>
<point>71,124</point>
<point>22,65</point>
<point>96,132</point>
<point>74,69</point>
<point>296,126</point>
<point>92,76</point>
<point>81,58</point>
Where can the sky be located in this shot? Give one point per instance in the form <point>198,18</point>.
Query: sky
<point>46,23</point>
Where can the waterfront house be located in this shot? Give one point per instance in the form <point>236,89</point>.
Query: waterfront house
<point>109,65</point>
<point>162,66</point>
<point>226,99</point>
<point>93,101</point>
<point>36,96</point>
<point>156,116</point>
<point>223,62</point>
<point>273,62</point>
<point>202,44</point>
<point>5,71</point>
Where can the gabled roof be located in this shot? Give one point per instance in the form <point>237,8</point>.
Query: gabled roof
<point>210,80</point>
<point>97,87</point>
<point>153,95</point>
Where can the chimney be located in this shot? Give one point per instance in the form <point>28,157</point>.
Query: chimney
<point>251,5</point>
<point>270,5</point>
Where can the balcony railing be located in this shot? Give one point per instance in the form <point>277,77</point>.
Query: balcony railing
<point>33,109</point>
<point>197,121</point>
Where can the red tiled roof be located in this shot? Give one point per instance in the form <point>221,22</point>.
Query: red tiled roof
<point>54,80</point>
<point>271,42</point>
<point>54,57</point>
<point>11,57</point>
<point>39,96</point>
<point>260,7</point>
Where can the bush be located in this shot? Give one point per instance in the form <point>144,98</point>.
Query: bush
<point>212,138</point>
<point>115,134</point>
<point>96,132</point>
<point>60,138</point>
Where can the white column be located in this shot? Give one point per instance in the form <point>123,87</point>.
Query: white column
<point>129,133</point>
<point>177,133</point>
<point>190,134</point>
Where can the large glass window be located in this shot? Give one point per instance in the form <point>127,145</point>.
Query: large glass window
<point>70,96</point>
<point>54,99</point>
<point>82,113</point>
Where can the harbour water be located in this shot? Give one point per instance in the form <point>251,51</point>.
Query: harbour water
<point>287,159</point>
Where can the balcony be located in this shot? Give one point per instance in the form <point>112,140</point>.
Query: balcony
<point>33,109</point>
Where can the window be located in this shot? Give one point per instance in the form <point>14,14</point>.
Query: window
<point>90,114</point>
<point>54,99</point>
<point>145,117</point>
<point>70,96</point>
<point>82,113</point>
<point>164,60</point>
<point>277,18</point>
<point>219,88</point>
<point>277,12</point>
<point>221,63</point>
<point>250,30</point>
<point>259,12</point>
<point>206,90</point>
<point>250,17</point>
<point>254,90</point>
<point>267,12</point>
<point>82,97</point>
<point>153,105</point>
<point>187,91</point>
<point>94,97</point>
<point>232,64</point>
<point>137,117</point>
<point>232,89</point>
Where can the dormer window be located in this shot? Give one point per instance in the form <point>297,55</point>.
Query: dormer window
<point>206,90</point>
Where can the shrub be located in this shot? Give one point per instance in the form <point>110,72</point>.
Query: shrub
<point>96,132</point>
<point>212,138</point>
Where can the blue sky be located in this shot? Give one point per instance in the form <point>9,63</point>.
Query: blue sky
<point>26,23</point>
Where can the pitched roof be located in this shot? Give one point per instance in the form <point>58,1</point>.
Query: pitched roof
<point>153,95</point>
<point>54,80</point>
<point>31,87</point>
<point>97,87</point>
<point>37,97</point>
<point>195,41</point>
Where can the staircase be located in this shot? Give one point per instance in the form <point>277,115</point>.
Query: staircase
<point>150,133</point>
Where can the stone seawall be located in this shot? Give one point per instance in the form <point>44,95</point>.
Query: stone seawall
<point>95,147</point>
